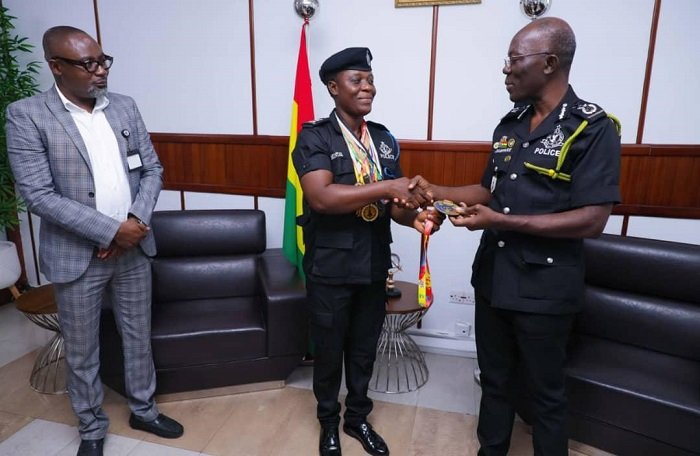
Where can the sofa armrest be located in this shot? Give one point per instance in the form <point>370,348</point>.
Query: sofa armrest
<point>284,304</point>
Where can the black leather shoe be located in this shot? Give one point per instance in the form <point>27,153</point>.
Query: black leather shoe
<point>162,426</point>
<point>329,445</point>
<point>91,447</point>
<point>370,440</point>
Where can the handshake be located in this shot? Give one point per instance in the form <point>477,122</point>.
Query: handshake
<point>411,193</point>
<point>472,211</point>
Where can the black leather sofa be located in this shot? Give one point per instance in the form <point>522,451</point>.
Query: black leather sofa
<point>226,310</point>
<point>634,366</point>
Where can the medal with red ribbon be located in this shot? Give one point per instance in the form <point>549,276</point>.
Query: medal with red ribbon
<point>425,288</point>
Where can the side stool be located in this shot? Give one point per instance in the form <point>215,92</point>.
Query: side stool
<point>39,306</point>
<point>400,366</point>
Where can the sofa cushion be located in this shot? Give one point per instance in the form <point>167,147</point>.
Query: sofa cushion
<point>639,390</point>
<point>207,331</point>
<point>662,325</point>
<point>644,266</point>
<point>209,232</point>
<point>204,277</point>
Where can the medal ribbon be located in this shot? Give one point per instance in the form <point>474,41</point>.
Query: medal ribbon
<point>363,153</point>
<point>425,288</point>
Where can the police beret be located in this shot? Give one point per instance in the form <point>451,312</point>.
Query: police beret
<point>355,58</point>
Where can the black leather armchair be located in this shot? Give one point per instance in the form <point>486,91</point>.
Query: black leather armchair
<point>633,373</point>
<point>226,311</point>
<point>633,376</point>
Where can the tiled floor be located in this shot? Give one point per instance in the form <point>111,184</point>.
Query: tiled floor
<point>438,419</point>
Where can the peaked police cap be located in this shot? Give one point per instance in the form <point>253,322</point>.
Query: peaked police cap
<point>354,58</point>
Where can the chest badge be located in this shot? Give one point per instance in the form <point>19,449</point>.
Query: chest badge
<point>386,152</point>
<point>504,143</point>
<point>555,139</point>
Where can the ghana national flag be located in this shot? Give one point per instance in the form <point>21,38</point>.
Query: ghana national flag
<point>302,111</point>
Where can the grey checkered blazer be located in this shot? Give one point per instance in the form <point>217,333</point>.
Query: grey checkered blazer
<point>52,169</point>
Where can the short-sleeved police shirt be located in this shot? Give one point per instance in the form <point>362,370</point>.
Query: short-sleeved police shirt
<point>535,273</point>
<point>343,248</point>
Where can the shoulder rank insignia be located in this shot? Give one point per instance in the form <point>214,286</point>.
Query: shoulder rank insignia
<point>589,111</point>
<point>315,122</point>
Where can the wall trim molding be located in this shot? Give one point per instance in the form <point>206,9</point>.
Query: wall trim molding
<point>657,180</point>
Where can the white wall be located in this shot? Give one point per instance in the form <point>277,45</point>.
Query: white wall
<point>672,116</point>
<point>187,64</point>
<point>35,16</point>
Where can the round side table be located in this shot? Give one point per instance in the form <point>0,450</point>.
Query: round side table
<point>49,372</point>
<point>400,366</point>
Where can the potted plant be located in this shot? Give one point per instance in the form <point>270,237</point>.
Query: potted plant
<point>17,81</point>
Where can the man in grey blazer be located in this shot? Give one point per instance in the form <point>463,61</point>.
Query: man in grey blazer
<point>84,163</point>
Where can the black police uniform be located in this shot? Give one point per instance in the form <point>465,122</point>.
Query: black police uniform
<point>345,262</point>
<point>529,287</point>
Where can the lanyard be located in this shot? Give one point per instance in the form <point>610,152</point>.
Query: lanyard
<point>363,153</point>
<point>425,288</point>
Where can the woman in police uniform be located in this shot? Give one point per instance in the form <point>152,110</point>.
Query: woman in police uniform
<point>351,179</point>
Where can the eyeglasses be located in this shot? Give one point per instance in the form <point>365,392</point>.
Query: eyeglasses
<point>89,65</point>
<point>508,61</point>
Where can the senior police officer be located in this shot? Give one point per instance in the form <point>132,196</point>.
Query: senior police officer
<point>351,179</point>
<point>551,181</point>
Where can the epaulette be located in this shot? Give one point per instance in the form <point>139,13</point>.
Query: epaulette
<point>588,111</point>
<point>377,125</point>
<point>516,111</point>
<point>315,122</point>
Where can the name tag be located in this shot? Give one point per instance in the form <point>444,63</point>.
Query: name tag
<point>133,159</point>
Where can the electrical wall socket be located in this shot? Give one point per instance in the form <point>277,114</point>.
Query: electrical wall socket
<point>461,297</point>
<point>462,329</point>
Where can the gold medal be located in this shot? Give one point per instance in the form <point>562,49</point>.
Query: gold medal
<point>447,207</point>
<point>369,213</point>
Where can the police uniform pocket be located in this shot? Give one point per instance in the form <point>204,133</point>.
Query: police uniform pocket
<point>332,254</point>
<point>550,274</point>
<point>343,171</point>
<point>502,161</point>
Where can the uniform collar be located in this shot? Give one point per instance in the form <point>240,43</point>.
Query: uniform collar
<point>334,121</point>
<point>559,114</point>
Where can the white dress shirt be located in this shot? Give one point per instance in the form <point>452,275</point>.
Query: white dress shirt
<point>112,192</point>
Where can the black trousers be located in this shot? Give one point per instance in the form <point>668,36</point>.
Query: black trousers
<point>510,343</point>
<point>346,321</point>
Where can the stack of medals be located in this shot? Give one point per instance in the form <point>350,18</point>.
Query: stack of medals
<point>366,165</point>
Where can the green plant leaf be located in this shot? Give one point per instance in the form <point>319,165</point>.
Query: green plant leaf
<point>16,82</point>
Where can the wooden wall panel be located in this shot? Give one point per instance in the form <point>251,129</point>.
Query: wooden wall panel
<point>445,162</point>
<point>659,180</point>
<point>656,180</point>
<point>237,164</point>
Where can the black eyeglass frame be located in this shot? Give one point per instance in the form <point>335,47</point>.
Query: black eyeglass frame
<point>89,65</point>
